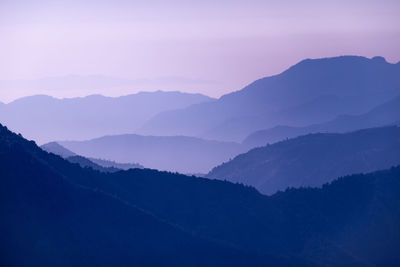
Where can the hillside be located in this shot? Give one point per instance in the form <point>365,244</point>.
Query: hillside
<point>313,159</point>
<point>44,118</point>
<point>172,153</point>
<point>307,93</point>
<point>387,113</point>
<point>99,164</point>
<point>56,213</point>
<point>49,221</point>
<point>56,148</point>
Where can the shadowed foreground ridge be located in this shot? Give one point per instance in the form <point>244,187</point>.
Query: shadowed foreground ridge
<point>48,221</point>
<point>56,213</point>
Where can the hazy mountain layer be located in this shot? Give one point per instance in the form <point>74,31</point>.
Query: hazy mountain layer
<point>312,91</point>
<point>387,113</point>
<point>45,119</point>
<point>313,159</point>
<point>100,164</point>
<point>173,153</point>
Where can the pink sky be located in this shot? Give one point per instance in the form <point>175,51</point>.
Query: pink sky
<point>229,43</point>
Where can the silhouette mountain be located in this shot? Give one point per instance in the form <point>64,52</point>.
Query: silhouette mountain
<point>385,114</point>
<point>49,221</point>
<point>312,91</point>
<point>313,159</point>
<point>97,164</point>
<point>55,213</point>
<point>43,118</point>
<point>173,153</point>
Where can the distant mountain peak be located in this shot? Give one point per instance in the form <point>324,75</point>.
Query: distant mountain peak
<point>379,59</point>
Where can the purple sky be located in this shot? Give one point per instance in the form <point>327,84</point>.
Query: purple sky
<point>219,46</point>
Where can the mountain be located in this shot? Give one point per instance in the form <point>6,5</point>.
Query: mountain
<point>313,159</point>
<point>173,153</point>
<point>56,213</point>
<point>387,113</point>
<point>44,118</point>
<point>312,91</point>
<point>49,221</point>
<point>79,85</point>
<point>87,163</point>
<point>97,164</point>
<point>56,148</point>
<point>113,164</point>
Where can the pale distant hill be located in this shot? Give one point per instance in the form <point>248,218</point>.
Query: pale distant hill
<point>44,118</point>
<point>97,164</point>
<point>173,153</point>
<point>56,148</point>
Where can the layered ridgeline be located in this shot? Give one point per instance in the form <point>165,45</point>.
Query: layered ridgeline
<point>172,153</point>
<point>97,164</point>
<point>48,220</point>
<point>55,213</point>
<point>313,159</point>
<point>45,119</point>
<point>310,92</point>
<point>387,113</point>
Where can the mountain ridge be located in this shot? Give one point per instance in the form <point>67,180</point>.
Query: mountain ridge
<point>313,159</point>
<point>363,83</point>
<point>351,221</point>
<point>184,154</point>
<point>384,114</point>
<point>44,118</point>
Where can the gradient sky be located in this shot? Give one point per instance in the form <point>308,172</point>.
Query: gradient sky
<point>220,46</point>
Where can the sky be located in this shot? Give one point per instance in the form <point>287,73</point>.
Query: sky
<point>210,47</point>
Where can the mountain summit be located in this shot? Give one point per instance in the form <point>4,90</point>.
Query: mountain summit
<point>312,91</point>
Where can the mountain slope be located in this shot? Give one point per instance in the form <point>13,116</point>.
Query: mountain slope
<point>306,93</point>
<point>45,119</point>
<point>86,163</point>
<point>350,222</point>
<point>49,221</point>
<point>313,159</point>
<point>57,149</point>
<point>99,164</point>
<point>172,153</point>
<point>387,113</point>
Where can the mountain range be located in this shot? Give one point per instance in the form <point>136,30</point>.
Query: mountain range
<point>312,91</point>
<point>55,213</point>
<point>384,114</point>
<point>97,164</point>
<point>173,153</point>
<point>49,221</point>
<point>313,159</point>
<point>44,118</point>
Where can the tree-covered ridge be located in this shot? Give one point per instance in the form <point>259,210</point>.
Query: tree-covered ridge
<point>313,159</point>
<point>351,221</point>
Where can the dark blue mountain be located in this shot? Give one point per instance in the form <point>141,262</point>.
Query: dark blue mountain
<point>312,91</point>
<point>55,213</point>
<point>313,160</point>
<point>49,220</point>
